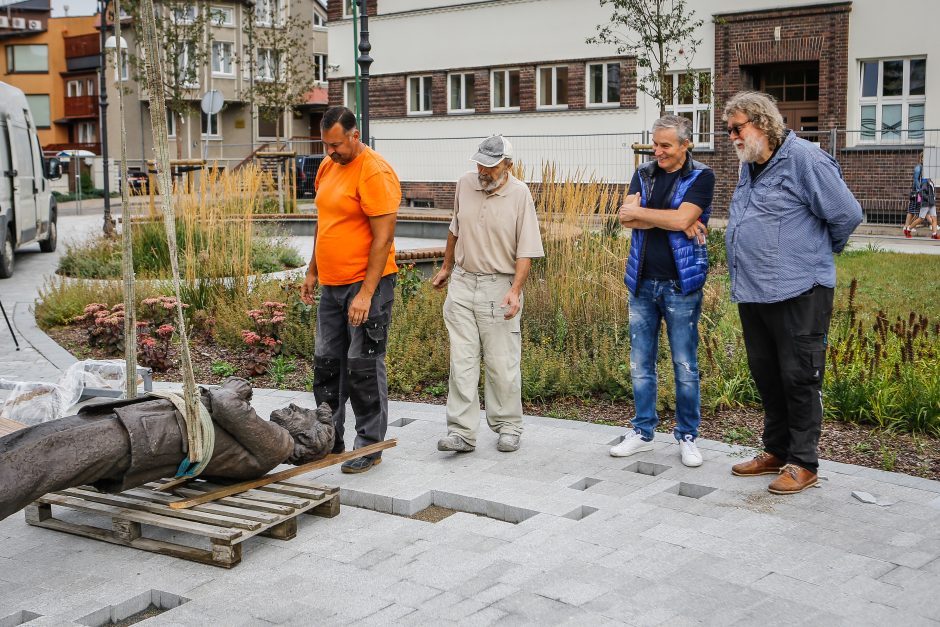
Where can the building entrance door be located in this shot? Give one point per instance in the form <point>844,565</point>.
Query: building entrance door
<point>796,88</point>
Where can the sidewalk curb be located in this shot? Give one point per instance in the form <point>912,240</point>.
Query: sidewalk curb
<point>24,321</point>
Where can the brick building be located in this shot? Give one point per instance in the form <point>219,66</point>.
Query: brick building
<point>850,75</point>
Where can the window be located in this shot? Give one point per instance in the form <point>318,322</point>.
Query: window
<point>267,64</point>
<point>505,90</point>
<point>90,86</point>
<point>318,20</point>
<point>210,125</point>
<point>222,58</point>
<point>460,93</point>
<point>39,107</point>
<point>603,84</point>
<point>267,13</point>
<point>31,58</point>
<point>187,73</point>
<point>349,95</point>
<point>270,122</point>
<point>87,133</point>
<point>121,74</point>
<point>222,16</point>
<point>73,89</point>
<point>893,98</point>
<point>552,87</point>
<point>184,14</point>
<point>419,95</point>
<point>689,94</point>
<point>348,8</point>
<point>319,67</point>
<point>170,122</point>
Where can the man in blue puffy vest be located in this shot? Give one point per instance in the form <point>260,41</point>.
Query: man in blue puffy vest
<point>667,209</point>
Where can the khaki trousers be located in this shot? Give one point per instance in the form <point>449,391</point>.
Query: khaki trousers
<point>475,321</point>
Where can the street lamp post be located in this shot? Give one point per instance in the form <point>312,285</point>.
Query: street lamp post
<point>103,118</point>
<point>364,61</point>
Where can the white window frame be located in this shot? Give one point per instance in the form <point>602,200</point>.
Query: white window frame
<point>319,21</point>
<point>222,57</point>
<point>463,109</point>
<point>266,71</point>
<point>349,95</point>
<point>122,73</point>
<point>218,125</point>
<point>87,133</point>
<point>90,87</point>
<point>879,102</point>
<point>185,18</point>
<point>677,108</point>
<point>319,67</point>
<point>553,105</point>
<point>170,123</point>
<point>185,65</point>
<point>425,88</point>
<point>507,108</point>
<point>347,8</point>
<point>228,14</point>
<point>605,104</point>
<point>76,86</point>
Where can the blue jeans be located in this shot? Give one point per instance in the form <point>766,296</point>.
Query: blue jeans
<point>656,300</point>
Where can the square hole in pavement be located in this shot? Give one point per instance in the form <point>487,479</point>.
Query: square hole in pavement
<point>402,422</point>
<point>691,490</point>
<point>134,610</point>
<point>584,484</point>
<point>580,513</point>
<point>647,468</point>
<point>18,618</point>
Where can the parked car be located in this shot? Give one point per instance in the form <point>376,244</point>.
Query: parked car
<point>306,172</point>
<point>28,210</point>
<point>138,183</point>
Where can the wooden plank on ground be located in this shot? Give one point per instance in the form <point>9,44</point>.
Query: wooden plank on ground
<point>9,426</point>
<point>326,462</point>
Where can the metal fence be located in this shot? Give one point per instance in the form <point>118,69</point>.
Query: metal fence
<point>879,174</point>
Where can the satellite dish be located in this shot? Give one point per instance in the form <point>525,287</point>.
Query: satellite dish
<point>212,102</point>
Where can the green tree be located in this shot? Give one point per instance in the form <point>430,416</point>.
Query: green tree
<point>661,35</point>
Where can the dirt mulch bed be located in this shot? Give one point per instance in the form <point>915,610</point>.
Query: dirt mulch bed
<point>844,442</point>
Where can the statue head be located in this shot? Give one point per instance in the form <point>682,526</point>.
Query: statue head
<point>311,429</point>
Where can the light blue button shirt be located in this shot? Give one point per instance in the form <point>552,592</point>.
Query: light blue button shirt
<point>785,226</point>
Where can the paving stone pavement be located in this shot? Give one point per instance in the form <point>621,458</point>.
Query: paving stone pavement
<point>556,533</point>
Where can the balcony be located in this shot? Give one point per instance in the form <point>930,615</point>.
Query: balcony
<point>82,46</point>
<point>81,107</point>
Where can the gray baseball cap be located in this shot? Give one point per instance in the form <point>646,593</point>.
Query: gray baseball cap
<point>492,150</point>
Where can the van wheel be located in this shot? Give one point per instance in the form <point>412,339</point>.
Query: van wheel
<point>6,256</point>
<point>48,245</point>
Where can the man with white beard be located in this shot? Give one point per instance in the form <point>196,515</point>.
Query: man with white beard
<point>790,212</point>
<point>493,237</point>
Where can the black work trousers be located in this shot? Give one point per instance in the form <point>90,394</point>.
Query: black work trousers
<point>786,352</point>
<point>349,362</point>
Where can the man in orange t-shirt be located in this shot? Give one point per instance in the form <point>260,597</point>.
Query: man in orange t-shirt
<point>358,195</point>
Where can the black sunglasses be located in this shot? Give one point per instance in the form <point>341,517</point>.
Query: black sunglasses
<point>736,129</point>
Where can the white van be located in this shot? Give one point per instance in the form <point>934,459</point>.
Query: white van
<point>27,206</point>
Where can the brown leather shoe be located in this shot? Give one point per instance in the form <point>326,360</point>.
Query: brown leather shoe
<point>793,479</point>
<point>763,464</point>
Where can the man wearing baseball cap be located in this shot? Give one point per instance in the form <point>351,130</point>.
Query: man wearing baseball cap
<point>493,237</point>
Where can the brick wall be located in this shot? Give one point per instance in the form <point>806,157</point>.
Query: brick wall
<point>387,92</point>
<point>880,179</point>
<point>814,33</point>
<point>334,9</point>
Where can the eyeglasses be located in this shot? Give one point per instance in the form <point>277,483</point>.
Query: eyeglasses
<point>736,129</point>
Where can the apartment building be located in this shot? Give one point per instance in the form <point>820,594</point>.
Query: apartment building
<point>523,68</point>
<point>55,62</point>
<point>239,129</point>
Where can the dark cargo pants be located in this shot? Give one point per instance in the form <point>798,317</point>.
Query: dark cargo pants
<point>786,352</point>
<point>349,362</point>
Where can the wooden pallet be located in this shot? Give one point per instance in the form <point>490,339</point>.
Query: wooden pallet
<point>269,511</point>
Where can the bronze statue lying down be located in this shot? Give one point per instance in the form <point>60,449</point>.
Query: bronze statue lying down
<point>119,445</point>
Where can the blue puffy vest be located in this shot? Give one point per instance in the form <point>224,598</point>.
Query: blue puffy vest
<point>691,275</point>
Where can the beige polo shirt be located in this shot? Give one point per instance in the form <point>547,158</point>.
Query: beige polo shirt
<point>493,230</point>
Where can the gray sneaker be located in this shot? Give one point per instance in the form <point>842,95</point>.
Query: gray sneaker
<point>454,443</point>
<point>507,443</point>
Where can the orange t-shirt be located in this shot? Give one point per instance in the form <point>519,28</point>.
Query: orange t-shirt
<point>346,196</point>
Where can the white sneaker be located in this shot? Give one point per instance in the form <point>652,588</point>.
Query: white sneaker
<point>632,443</point>
<point>690,453</point>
